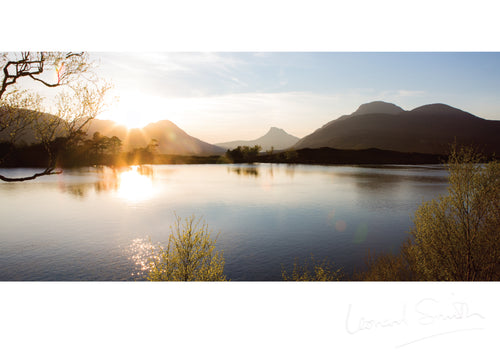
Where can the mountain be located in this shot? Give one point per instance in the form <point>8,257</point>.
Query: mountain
<point>378,107</point>
<point>171,139</point>
<point>426,129</point>
<point>20,117</point>
<point>275,137</point>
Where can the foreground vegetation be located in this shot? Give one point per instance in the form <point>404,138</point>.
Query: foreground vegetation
<point>455,237</point>
<point>189,255</point>
<point>313,270</point>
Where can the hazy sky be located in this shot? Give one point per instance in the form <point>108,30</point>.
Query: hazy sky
<point>227,96</point>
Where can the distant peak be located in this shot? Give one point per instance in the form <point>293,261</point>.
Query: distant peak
<point>276,130</point>
<point>165,122</point>
<point>161,123</point>
<point>378,107</point>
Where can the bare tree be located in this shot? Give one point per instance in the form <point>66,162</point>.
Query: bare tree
<point>77,101</point>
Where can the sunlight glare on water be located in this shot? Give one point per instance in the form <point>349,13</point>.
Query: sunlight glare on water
<point>135,185</point>
<point>140,252</point>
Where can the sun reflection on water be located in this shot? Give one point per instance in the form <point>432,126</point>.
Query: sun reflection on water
<point>136,184</point>
<point>140,252</point>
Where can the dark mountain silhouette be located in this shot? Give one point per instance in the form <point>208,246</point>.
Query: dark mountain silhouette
<point>426,129</point>
<point>378,107</point>
<point>275,137</point>
<point>171,139</point>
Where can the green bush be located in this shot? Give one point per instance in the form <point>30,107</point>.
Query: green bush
<point>385,267</point>
<point>455,237</point>
<point>312,271</point>
<point>189,255</point>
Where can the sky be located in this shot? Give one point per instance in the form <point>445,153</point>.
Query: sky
<point>227,70</point>
<point>224,96</point>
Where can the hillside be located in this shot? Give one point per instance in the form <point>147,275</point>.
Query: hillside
<point>20,116</point>
<point>275,138</point>
<point>171,139</point>
<point>426,129</point>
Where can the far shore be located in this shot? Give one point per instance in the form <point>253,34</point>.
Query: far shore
<point>320,156</point>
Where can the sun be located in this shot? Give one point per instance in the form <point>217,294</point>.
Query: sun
<point>126,115</point>
<point>136,110</point>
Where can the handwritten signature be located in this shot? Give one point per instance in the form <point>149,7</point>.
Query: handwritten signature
<point>425,312</point>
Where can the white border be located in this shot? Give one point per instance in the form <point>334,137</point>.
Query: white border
<point>245,320</point>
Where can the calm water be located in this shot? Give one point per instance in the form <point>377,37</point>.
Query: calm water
<point>93,224</point>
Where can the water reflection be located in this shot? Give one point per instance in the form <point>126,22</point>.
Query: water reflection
<point>245,171</point>
<point>133,183</point>
<point>266,215</point>
<point>139,253</point>
<point>379,178</point>
<point>262,169</point>
<point>290,170</point>
<point>136,184</point>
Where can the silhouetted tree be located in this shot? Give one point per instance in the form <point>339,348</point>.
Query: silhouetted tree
<point>99,144</point>
<point>243,154</point>
<point>153,146</point>
<point>79,99</point>
<point>114,145</point>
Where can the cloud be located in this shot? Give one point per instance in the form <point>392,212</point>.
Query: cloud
<point>168,61</point>
<point>174,73</point>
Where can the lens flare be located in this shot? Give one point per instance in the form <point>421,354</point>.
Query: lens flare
<point>361,233</point>
<point>59,71</point>
<point>340,225</point>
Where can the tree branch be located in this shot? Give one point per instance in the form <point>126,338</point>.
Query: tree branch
<point>47,172</point>
<point>71,54</point>
<point>22,68</point>
<point>43,82</point>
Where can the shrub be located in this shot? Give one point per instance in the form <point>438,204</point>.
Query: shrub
<point>385,267</point>
<point>189,255</point>
<point>312,271</point>
<point>457,237</point>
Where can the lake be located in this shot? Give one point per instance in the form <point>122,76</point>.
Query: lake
<point>95,223</point>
